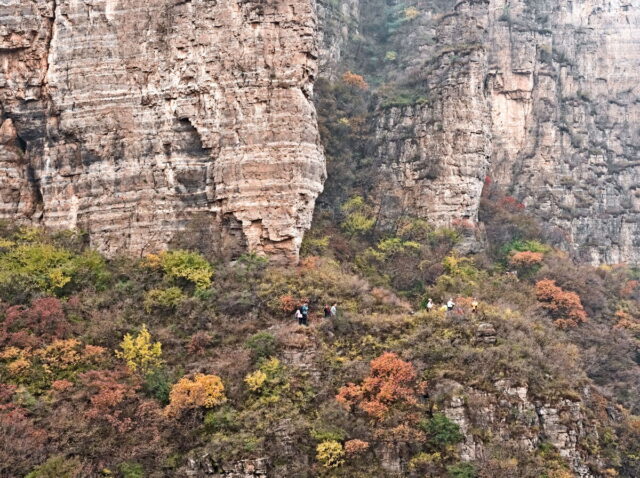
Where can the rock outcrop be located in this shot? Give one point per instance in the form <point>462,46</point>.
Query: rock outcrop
<point>518,422</point>
<point>202,465</point>
<point>143,122</point>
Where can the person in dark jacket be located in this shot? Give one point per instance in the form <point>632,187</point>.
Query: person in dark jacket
<point>327,311</point>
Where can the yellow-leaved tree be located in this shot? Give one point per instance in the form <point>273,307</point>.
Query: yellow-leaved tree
<point>205,391</point>
<point>140,353</point>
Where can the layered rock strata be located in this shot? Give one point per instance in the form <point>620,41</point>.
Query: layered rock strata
<point>539,95</point>
<point>140,122</point>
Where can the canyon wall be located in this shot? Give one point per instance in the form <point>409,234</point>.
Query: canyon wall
<point>143,122</point>
<point>540,96</point>
<point>148,124</point>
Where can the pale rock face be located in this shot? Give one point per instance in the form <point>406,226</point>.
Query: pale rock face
<point>566,114</point>
<point>337,23</point>
<point>515,419</point>
<point>141,122</point>
<point>436,154</point>
<point>542,96</point>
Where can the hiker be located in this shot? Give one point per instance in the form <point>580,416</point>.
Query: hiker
<point>474,306</point>
<point>430,305</point>
<point>327,311</point>
<point>450,305</point>
<point>334,309</point>
<point>299,316</point>
<point>305,313</point>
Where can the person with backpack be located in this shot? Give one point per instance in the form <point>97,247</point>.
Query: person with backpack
<point>334,309</point>
<point>305,313</point>
<point>429,305</point>
<point>327,311</point>
<point>298,316</point>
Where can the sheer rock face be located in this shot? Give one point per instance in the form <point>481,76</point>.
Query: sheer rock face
<point>542,96</point>
<point>145,123</point>
<point>519,422</point>
<point>141,122</point>
<point>566,118</point>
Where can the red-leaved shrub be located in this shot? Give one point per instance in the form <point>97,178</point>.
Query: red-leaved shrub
<point>32,326</point>
<point>564,306</point>
<point>391,381</point>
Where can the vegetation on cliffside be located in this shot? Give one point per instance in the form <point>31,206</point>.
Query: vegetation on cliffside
<point>128,367</point>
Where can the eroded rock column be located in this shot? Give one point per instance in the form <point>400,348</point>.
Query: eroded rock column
<point>140,122</point>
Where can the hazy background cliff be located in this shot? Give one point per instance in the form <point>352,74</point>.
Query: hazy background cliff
<point>538,96</point>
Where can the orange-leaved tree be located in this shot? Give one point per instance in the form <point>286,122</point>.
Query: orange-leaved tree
<point>391,381</point>
<point>525,259</point>
<point>205,391</point>
<point>564,306</point>
<point>353,79</point>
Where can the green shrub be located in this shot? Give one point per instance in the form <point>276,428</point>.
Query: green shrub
<point>461,277</point>
<point>48,269</point>
<point>314,246</point>
<point>131,470</point>
<point>57,467</point>
<point>157,384</point>
<point>186,265</point>
<point>390,56</point>
<point>221,419</point>
<point>262,345</point>
<point>462,470</point>
<point>519,245</point>
<point>442,431</point>
<point>359,218</point>
<point>163,299</point>
<point>328,433</point>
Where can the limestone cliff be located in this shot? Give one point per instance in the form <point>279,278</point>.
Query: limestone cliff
<point>139,122</point>
<point>144,123</point>
<point>539,95</point>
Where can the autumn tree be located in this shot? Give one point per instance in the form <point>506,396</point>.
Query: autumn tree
<point>355,447</point>
<point>204,391</point>
<point>525,259</point>
<point>140,353</point>
<point>391,381</point>
<point>355,80</point>
<point>564,306</point>
<point>32,326</point>
<point>21,439</point>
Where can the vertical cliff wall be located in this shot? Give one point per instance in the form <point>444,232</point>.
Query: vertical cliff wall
<point>541,96</point>
<point>565,105</point>
<point>138,122</point>
<point>131,120</point>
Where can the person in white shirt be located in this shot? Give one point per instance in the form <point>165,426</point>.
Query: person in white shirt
<point>450,304</point>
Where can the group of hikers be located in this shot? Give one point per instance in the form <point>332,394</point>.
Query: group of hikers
<point>450,305</point>
<point>302,312</point>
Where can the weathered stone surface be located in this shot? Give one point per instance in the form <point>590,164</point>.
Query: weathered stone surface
<point>132,119</point>
<point>140,121</point>
<point>565,113</point>
<point>486,333</point>
<point>202,465</point>
<point>516,420</point>
<point>338,22</point>
<point>540,95</point>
